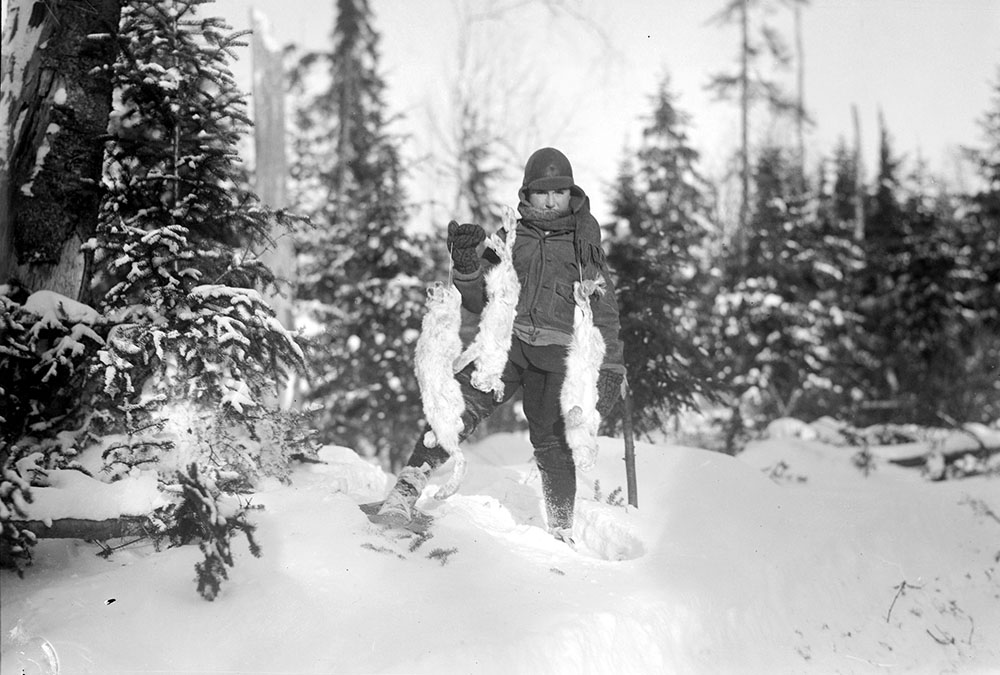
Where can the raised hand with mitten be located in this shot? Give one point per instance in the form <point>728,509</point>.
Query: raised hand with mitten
<point>463,240</point>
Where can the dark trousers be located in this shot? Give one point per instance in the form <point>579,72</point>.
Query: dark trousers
<point>539,372</point>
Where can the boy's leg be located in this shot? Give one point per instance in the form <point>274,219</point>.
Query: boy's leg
<point>398,505</point>
<point>552,453</point>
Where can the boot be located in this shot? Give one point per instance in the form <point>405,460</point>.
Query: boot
<point>397,509</point>
<point>559,490</point>
<point>563,534</point>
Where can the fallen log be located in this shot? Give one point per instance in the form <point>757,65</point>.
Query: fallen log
<point>90,530</point>
<point>952,447</point>
<point>948,456</point>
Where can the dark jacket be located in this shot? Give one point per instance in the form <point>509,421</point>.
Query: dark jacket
<point>548,257</point>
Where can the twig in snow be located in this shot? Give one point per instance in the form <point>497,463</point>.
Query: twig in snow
<point>442,554</point>
<point>944,640</point>
<point>383,549</point>
<point>981,508</point>
<point>107,551</point>
<point>419,540</point>
<point>899,591</point>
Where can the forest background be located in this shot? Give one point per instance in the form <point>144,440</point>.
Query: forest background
<point>774,280</point>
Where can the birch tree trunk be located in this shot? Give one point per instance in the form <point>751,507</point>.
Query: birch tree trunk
<point>54,113</point>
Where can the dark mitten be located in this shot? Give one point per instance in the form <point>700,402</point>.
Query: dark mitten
<point>609,390</point>
<point>462,242</point>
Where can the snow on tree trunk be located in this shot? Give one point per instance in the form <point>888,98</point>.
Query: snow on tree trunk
<point>271,169</point>
<point>53,118</point>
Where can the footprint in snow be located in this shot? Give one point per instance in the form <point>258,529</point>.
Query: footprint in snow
<point>600,529</point>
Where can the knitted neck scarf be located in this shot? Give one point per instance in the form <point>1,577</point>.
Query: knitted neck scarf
<point>546,219</point>
<point>586,239</point>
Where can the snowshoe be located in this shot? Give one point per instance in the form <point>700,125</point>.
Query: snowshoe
<point>382,514</point>
<point>563,534</point>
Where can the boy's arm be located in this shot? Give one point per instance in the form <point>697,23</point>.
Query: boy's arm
<point>472,287</point>
<point>463,244</point>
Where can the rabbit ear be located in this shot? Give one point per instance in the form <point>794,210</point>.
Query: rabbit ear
<point>509,218</point>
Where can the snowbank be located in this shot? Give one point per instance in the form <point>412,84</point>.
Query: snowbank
<point>726,567</point>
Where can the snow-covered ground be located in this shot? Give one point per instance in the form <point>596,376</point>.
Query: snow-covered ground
<point>786,559</point>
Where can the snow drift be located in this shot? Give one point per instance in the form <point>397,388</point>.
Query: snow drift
<point>728,566</point>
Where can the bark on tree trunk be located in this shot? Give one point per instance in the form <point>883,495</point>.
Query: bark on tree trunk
<point>859,179</point>
<point>743,236</point>
<point>53,119</point>
<point>800,70</point>
<point>629,433</point>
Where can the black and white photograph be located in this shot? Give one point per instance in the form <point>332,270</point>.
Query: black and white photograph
<point>500,337</point>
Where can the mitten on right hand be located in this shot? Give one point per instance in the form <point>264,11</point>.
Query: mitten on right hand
<point>609,391</point>
<point>462,242</point>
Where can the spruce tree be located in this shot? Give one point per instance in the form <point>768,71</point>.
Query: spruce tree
<point>193,352</point>
<point>884,245</point>
<point>928,339</point>
<point>930,319</point>
<point>175,365</point>
<point>775,312</point>
<point>838,285</point>
<point>663,207</point>
<point>979,250</point>
<point>361,270</point>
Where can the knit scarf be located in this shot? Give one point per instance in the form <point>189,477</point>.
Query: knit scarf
<point>546,219</point>
<point>586,234</point>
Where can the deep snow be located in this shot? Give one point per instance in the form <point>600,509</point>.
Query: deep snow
<point>785,559</point>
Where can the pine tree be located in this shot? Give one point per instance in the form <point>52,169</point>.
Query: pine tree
<point>361,270</point>
<point>664,207</point>
<point>192,342</point>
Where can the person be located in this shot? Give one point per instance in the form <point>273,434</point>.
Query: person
<point>557,242</point>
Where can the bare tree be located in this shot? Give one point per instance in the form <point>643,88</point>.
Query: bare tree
<point>500,107</point>
<point>800,84</point>
<point>760,48</point>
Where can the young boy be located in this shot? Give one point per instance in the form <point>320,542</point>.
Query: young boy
<point>557,243</point>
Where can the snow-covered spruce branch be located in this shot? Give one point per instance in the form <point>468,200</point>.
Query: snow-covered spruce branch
<point>202,515</point>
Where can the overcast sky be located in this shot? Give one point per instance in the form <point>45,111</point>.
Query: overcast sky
<point>927,64</point>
